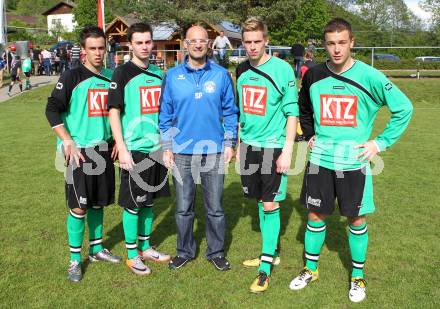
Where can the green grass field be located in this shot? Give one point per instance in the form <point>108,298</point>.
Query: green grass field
<point>402,263</point>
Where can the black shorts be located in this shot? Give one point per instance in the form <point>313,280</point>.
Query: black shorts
<point>352,189</point>
<point>93,182</point>
<point>27,74</point>
<point>259,178</point>
<point>15,78</point>
<point>147,181</point>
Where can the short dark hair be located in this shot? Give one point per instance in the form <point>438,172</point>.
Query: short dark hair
<point>90,32</point>
<point>138,27</point>
<point>338,25</point>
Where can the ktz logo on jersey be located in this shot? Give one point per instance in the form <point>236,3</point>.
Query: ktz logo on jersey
<point>97,100</point>
<point>254,100</point>
<point>149,99</point>
<point>338,110</point>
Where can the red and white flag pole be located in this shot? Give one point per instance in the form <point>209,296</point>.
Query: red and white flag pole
<point>101,15</point>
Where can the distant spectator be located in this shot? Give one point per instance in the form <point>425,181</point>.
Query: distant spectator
<point>15,73</point>
<point>46,57</point>
<point>116,60</point>
<point>64,65</point>
<point>127,58</point>
<point>310,46</point>
<point>56,61</point>
<point>26,67</point>
<point>308,62</point>
<point>220,42</point>
<point>2,69</point>
<point>36,59</point>
<point>297,53</point>
<point>75,56</point>
<point>111,48</point>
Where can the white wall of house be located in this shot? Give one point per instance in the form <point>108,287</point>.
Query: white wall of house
<point>67,20</point>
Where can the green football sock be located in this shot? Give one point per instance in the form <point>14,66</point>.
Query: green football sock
<point>358,243</point>
<point>145,226</point>
<point>271,230</point>
<point>130,224</point>
<point>95,218</point>
<point>313,240</point>
<point>261,215</point>
<point>75,234</point>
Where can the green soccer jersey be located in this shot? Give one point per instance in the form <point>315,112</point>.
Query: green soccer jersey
<point>79,101</point>
<point>26,65</point>
<point>339,109</point>
<point>135,92</point>
<point>267,95</point>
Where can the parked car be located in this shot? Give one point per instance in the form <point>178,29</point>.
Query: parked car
<point>57,46</point>
<point>428,59</point>
<point>387,57</point>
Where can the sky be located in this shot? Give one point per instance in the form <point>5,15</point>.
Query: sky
<point>414,6</point>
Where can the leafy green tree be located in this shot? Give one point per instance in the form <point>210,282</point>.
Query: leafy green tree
<point>433,6</point>
<point>307,22</point>
<point>34,7</point>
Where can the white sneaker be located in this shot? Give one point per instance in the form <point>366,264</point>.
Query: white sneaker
<point>151,254</point>
<point>357,290</point>
<point>304,278</point>
<point>137,266</point>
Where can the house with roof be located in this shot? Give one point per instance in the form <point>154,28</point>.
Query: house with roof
<point>166,36</point>
<point>60,14</point>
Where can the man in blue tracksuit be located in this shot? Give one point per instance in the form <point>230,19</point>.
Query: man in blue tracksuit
<point>198,121</point>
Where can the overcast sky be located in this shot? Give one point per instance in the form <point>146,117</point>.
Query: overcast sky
<point>414,6</point>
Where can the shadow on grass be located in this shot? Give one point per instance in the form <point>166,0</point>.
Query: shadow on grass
<point>116,234</point>
<point>336,237</point>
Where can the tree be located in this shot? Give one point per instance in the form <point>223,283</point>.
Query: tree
<point>184,13</point>
<point>433,6</point>
<point>34,7</point>
<point>85,12</point>
<point>308,20</point>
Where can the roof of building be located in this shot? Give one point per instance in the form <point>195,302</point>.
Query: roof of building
<point>27,19</point>
<point>165,30</point>
<point>58,6</point>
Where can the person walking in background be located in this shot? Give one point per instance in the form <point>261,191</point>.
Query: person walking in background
<point>111,49</point>
<point>64,65</point>
<point>46,59</point>
<point>221,42</point>
<point>297,53</point>
<point>308,62</point>
<point>36,60</point>
<point>15,73</point>
<point>26,66</point>
<point>75,56</point>
<point>2,69</point>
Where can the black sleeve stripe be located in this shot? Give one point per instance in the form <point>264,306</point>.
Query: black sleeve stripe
<point>153,75</point>
<point>306,118</point>
<point>266,76</point>
<point>353,83</point>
